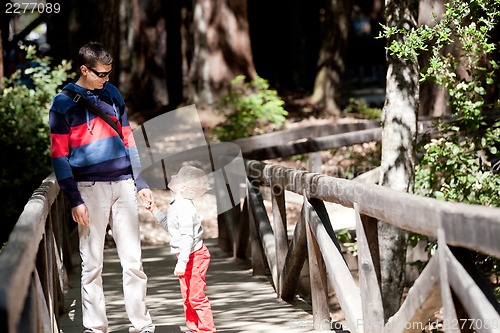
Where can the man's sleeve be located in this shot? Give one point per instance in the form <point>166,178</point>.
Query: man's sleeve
<point>59,153</point>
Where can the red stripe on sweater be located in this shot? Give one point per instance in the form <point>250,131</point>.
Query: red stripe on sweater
<point>99,129</point>
<point>128,138</point>
<point>59,145</point>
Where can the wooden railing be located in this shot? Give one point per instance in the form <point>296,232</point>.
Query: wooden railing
<point>249,229</point>
<point>35,264</point>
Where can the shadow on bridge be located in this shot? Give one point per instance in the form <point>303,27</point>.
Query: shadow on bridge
<point>241,302</point>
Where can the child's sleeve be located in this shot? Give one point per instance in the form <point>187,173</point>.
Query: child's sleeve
<point>161,218</point>
<point>186,224</point>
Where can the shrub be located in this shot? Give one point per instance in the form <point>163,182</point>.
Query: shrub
<point>460,165</point>
<point>24,133</point>
<point>249,107</point>
<point>361,107</point>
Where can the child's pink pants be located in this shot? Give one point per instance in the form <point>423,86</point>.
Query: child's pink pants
<point>193,284</point>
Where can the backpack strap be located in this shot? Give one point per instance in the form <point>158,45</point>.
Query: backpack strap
<point>79,99</point>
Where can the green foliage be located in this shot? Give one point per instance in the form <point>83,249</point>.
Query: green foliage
<point>249,107</point>
<point>24,131</point>
<point>344,236</point>
<point>360,106</point>
<point>456,167</point>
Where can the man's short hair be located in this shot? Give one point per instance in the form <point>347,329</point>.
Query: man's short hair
<point>93,53</point>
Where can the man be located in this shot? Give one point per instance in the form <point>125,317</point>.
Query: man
<point>93,165</point>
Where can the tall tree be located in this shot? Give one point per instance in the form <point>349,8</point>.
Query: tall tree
<point>221,48</point>
<point>146,63</point>
<point>331,62</point>
<point>399,124</point>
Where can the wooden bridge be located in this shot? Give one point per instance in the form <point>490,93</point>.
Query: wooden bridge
<point>39,278</point>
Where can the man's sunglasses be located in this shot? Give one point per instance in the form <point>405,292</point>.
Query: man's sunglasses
<point>99,74</point>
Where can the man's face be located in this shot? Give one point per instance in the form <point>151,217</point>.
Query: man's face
<point>98,75</point>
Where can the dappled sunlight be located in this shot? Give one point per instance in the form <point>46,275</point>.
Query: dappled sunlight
<point>240,302</point>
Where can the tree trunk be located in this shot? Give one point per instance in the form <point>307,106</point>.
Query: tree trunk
<point>433,98</point>
<point>221,48</point>
<point>147,46</point>
<point>107,31</point>
<point>331,63</point>
<point>399,123</point>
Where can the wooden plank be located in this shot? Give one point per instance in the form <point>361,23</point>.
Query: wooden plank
<point>313,131</point>
<point>44,317</point>
<point>450,314</point>
<point>315,144</point>
<point>257,251</point>
<point>369,177</point>
<point>244,231</point>
<point>59,275</point>
<point>314,162</point>
<point>265,231</point>
<point>395,207</point>
<point>373,314</point>
<point>44,270</point>
<point>64,221</point>
<point>347,292</point>
<point>317,275</point>
<point>421,302</point>
<point>483,314</point>
<point>280,230</point>
<point>18,258</point>
<point>29,320</point>
<point>296,256</point>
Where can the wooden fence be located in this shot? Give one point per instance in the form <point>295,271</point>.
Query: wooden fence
<point>36,260</point>
<point>35,264</point>
<point>452,224</point>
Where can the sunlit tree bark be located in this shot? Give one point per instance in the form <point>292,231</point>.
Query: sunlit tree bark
<point>221,48</point>
<point>399,123</point>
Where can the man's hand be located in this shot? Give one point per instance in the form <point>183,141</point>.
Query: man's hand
<point>146,196</point>
<point>80,214</point>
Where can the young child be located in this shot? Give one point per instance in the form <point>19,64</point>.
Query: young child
<point>184,228</point>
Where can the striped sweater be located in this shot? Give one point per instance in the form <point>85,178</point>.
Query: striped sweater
<point>84,147</point>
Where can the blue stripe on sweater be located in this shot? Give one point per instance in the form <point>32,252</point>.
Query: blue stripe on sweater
<point>98,152</point>
<point>61,168</point>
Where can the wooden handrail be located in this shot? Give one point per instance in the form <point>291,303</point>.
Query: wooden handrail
<point>35,263</point>
<point>452,224</point>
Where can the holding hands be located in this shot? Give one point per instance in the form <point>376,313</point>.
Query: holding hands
<point>147,199</point>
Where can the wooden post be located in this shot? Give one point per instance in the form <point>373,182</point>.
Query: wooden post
<point>258,262</point>
<point>315,162</point>
<point>244,232</point>
<point>280,230</point>
<point>373,314</point>
<point>448,306</point>
<point>296,256</point>
<point>319,287</point>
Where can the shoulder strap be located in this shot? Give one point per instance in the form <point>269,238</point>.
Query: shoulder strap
<point>78,99</point>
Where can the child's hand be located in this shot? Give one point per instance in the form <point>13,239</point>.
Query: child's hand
<point>149,205</point>
<point>179,272</point>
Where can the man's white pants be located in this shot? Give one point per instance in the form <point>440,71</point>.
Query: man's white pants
<point>112,203</point>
